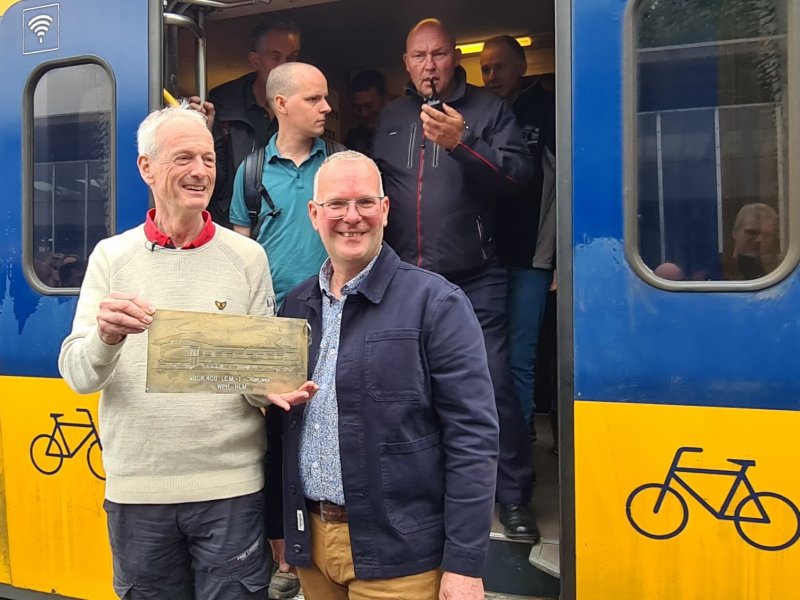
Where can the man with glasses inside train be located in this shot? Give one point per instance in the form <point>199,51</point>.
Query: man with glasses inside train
<point>389,489</point>
<point>184,472</point>
<point>446,150</point>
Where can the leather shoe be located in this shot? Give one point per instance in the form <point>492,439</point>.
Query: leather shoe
<point>519,523</point>
<point>283,585</point>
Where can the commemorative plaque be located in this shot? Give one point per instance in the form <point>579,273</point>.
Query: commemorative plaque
<point>225,354</point>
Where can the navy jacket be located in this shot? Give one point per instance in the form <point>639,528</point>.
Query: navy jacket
<point>443,203</point>
<point>418,432</point>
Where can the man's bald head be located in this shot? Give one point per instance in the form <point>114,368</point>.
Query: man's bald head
<point>430,24</point>
<point>285,80</point>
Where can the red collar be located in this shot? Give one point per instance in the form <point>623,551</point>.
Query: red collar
<point>159,238</point>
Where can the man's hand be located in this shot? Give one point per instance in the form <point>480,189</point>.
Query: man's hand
<point>460,587</point>
<point>121,315</point>
<point>279,555</point>
<point>299,396</point>
<point>206,108</point>
<point>444,128</point>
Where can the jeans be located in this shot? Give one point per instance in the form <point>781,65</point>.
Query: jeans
<point>527,297</point>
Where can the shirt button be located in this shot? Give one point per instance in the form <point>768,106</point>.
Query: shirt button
<point>315,464</point>
<point>316,426</point>
<point>293,489</point>
<point>293,423</point>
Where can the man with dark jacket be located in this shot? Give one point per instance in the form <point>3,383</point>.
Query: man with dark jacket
<point>240,117</point>
<point>389,471</point>
<point>446,150</point>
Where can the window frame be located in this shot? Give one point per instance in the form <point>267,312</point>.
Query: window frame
<point>27,195</point>
<point>630,153</point>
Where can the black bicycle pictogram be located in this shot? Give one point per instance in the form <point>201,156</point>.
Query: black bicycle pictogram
<point>48,449</point>
<point>764,515</point>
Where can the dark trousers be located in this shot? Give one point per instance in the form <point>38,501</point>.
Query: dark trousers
<point>212,550</point>
<point>487,290</point>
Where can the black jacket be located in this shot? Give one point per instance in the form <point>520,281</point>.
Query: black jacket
<point>418,433</point>
<point>234,138</point>
<point>443,203</point>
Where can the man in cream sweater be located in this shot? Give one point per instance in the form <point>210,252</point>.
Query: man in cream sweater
<point>184,471</point>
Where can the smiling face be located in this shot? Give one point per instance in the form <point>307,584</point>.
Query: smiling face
<point>431,56</point>
<point>502,70</point>
<point>181,173</point>
<point>354,240</point>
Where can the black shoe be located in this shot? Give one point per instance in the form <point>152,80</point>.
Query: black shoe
<point>519,523</point>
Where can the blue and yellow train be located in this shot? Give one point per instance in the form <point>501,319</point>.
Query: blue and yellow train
<point>677,265</point>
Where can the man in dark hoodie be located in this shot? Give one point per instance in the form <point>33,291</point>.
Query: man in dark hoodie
<point>446,150</point>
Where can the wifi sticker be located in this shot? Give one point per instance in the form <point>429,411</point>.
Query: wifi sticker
<point>41,26</point>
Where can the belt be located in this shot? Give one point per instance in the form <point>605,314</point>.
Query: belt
<point>327,511</point>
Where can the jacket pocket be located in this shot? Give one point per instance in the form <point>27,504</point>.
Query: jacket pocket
<point>412,474</point>
<point>394,365</point>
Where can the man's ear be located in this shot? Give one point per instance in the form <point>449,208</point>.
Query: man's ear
<point>280,104</point>
<point>457,56</point>
<point>405,62</point>
<point>385,210</point>
<point>313,214</point>
<point>145,169</point>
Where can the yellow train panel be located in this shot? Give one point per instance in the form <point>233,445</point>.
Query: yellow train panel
<point>53,531</point>
<point>722,530</point>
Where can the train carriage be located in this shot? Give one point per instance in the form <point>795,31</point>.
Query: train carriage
<point>676,388</point>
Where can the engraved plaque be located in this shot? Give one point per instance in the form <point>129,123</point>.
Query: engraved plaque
<point>225,354</point>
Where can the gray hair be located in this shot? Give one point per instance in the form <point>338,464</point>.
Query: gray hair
<point>763,212</point>
<point>146,135</point>
<point>282,80</point>
<point>348,156</point>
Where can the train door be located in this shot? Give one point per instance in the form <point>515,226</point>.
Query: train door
<point>681,139</point>
<point>76,81</point>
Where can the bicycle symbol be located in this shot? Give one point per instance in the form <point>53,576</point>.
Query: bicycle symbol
<point>46,449</point>
<point>762,515</point>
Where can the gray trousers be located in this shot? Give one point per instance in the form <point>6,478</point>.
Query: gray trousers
<point>213,550</point>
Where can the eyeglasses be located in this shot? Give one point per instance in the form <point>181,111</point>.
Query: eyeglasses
<point>337,209</point>
<point>437,56</point>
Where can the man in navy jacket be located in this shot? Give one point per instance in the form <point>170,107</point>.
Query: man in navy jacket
<point>389,472</point>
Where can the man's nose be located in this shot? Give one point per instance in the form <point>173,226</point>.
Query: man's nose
<point>352,215</point>
<point>325,108</point>
<point>198,165</point>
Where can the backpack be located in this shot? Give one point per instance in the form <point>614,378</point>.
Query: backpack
<point>254,190</point>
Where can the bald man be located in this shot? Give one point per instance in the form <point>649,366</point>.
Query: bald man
<point>447,150</point>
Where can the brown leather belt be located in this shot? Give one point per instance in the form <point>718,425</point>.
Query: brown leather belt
<point>327,511</point>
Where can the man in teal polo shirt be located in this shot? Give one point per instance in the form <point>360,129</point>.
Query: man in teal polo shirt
<point>297,94</point>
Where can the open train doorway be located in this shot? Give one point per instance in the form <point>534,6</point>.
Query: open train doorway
<point>343,38</point>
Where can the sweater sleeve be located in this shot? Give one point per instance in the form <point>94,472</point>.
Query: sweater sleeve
<point>86,362</point>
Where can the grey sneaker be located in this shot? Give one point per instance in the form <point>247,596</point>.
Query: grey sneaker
<point>283,585</point>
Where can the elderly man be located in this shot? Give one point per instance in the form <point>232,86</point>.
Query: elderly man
<point>446,150</point>
<point>239,111</point>
<point>756,243</point>
<point>389,486</point>
<point>184,472</point>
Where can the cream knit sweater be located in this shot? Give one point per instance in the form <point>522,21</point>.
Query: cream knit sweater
<point>169,448</point>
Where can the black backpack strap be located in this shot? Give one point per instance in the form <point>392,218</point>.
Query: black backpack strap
<point>254,190</point>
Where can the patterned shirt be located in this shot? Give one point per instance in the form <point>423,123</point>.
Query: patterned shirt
<point>320,464</point>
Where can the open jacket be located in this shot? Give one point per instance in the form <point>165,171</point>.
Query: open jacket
<point>418,432</point>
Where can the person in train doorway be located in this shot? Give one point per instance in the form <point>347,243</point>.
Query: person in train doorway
<point>446,150</point>
<point>389,472</point>
<point>286,167</point>
<point>526,223</point>
<point>184,472</point>
<point>239,113</point>
<point>367,99</point>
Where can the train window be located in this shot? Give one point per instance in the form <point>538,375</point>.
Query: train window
<point>710,140</point>
<point>70,209</point>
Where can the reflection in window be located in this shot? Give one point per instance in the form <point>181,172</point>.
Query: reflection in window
<point>72,112</point>
<point>712,137</point>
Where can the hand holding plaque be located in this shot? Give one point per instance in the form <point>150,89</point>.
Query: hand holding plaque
<point>228,354</point>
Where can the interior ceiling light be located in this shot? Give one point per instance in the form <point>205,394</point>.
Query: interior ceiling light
<point>477,47</point>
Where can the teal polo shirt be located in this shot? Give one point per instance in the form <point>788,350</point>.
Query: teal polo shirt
<point>294,249</point>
